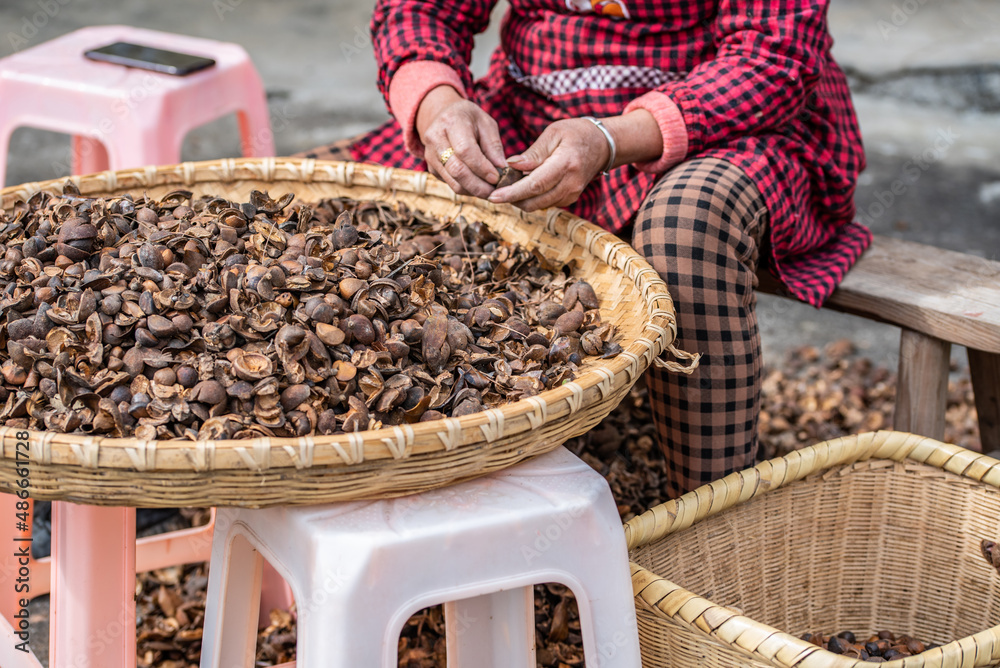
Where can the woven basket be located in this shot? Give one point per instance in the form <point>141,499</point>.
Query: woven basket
<point>871,532</point>
<point>379,463</point>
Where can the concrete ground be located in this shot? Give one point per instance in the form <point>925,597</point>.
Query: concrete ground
<point>919,70</point>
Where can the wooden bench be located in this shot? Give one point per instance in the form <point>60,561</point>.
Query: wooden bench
<point>937,297</point>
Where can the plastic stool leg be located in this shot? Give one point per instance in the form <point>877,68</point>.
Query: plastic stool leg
<point>256,135</point>
<point>492,631</point>
<point>93,593</point>
<point>4,153</point>
<point>603,588</point>
<point>610,632</point>
<point>187,546</point>
<point>89,155</point>
<point>138,147</point>
<point>234,582</point>
<point>368,637</point>
<point>10,563</point>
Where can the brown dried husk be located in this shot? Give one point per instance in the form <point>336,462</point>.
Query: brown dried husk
<point>377,463</point>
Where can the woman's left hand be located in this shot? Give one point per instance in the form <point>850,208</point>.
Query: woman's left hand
<point>566,157</point>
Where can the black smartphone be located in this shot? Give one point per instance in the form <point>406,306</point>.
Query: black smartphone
<point>149,58</point>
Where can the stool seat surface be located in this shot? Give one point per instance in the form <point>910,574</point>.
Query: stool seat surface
<point>60,62</point>
<point>122,117</point>
<point>554,482</point>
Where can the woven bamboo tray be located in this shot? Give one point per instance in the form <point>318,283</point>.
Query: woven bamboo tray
<point>871,532</point>
<point>379,463</point>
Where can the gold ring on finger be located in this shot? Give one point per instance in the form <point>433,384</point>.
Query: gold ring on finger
<point>445,155</point>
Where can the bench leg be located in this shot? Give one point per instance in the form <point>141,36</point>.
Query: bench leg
<point>985,369</point>
<point>922,391</point>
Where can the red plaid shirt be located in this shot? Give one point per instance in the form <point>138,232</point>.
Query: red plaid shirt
<point>748,81</point>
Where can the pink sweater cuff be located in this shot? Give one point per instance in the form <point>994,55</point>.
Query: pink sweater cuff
<point>407,90</point>
<point>671,121</point>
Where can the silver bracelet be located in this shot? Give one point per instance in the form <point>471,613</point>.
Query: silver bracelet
<point>611,142</point>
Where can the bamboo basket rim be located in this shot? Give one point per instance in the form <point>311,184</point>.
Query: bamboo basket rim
<point>389,443</point>
<point>761,641</point>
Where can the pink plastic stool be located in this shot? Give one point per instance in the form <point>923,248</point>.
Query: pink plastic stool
<point>92,613</point>
<point>122,117</point>
<point>360,569</point>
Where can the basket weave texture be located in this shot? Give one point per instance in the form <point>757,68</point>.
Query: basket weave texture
<point>387,462</point>
<point>870,532</point>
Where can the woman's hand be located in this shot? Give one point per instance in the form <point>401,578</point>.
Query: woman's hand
<point>570,153</point>
<point>566,157</point>
<point>447,120</point>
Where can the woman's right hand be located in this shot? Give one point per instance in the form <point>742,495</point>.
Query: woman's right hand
<point>447,120</point>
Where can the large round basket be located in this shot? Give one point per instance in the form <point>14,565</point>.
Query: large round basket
<point>874,532</point>
<point>386,462</point>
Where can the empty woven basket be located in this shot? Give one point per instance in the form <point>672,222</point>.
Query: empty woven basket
<point>870,532</point>
<point>387,462</point>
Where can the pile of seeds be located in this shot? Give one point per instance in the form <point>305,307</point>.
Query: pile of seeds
<point>202,318</point>
<point>879,648</point>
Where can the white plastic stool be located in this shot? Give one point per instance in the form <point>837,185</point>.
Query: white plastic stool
<point>359,570</point>
<point>123,117</point>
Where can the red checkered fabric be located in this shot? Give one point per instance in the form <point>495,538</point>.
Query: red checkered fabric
<point>754,81</point>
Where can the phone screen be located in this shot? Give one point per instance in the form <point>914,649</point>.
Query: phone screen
<point>149,58</point>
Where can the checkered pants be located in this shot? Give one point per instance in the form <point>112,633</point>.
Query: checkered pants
<point>701,229</point>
